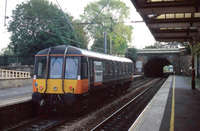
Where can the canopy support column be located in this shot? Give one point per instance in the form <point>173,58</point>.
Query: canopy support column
<point>193,70</point>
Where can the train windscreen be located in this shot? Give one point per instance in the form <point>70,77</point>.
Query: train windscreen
<point>56,65</point>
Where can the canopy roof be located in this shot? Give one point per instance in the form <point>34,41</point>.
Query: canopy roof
<point>171,20</point>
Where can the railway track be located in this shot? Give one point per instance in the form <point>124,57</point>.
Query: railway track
<point>139,83</point>
<point>42,124</point>
<point>49,123</point>
<point>123,118</point>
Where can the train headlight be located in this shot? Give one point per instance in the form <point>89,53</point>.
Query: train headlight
<point>36,84</point>
<point>40,87</point>
<point>55,88</point>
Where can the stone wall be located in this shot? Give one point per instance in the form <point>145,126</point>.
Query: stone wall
<point>178,60</point>
<point>8,83</point>
<point>185,64</point>
<point>20,68</point>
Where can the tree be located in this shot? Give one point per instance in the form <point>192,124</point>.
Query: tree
<point>110,20</point>
<point>131,53</point>
<point>38,24</point>
<point>150,47</point>
<point>6,51</point>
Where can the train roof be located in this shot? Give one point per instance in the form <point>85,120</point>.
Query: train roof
<point>82,52</point>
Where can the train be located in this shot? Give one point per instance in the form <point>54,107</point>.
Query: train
<point>68,75</point>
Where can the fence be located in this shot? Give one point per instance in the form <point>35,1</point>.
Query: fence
<point>6,60</point>
<point>10,74</point>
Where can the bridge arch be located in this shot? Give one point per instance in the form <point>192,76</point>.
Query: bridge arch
<point>154,67</point>
<point>174,57</point>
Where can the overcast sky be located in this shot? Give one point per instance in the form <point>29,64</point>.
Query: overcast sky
<point>141,34</point>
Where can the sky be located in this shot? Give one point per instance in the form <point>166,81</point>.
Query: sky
<point>141,35</point>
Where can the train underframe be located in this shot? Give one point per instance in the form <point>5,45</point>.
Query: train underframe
<point>76,103</point>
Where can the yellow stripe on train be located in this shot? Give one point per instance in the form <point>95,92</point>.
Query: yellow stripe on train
<point>54,86</point>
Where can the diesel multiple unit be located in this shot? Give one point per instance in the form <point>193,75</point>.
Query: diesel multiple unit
<point>70,75</point>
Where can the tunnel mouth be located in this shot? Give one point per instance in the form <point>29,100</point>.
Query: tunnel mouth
<point>154,67</point>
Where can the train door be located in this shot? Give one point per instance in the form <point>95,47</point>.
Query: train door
<point>91,73</point>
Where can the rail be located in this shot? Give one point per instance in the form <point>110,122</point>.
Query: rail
<point>10,74</point>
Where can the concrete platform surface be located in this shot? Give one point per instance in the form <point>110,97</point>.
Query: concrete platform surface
<point>175,107</point>
<point>15,95</point>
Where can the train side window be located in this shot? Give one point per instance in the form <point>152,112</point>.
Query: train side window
<point>120,68</point>
<point>104,68</point>
<point>125,71</point>
<point>111,68</point>
<point>126,67</point>
<point>107,68</point>
<point>129,68</point>
<point>123,65</point>
<point>116,68</point>
<point>85,69</point>
<point>132,68</point>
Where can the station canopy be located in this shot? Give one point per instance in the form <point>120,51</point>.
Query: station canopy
<point>171,20</point>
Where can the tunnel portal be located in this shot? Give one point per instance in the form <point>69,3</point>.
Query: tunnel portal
<point>154,67</point>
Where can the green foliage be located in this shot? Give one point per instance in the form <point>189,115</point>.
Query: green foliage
<point>110,20</point>
<point>131,53</point>
<point>6,51</point>
<point>81,36</point>
<point>150,47</point>
<point>99,47</point>
<point>38,24</point>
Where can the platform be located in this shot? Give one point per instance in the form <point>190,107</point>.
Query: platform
<point>15,95</point>
<point>175,107</point>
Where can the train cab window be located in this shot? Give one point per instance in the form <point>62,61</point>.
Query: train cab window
<point>56,64</point>
<point>84,69</point>
<point>40,67</point>
<point>71,69</point>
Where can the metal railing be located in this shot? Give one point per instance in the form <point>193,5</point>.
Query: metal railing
<point>10,74</point>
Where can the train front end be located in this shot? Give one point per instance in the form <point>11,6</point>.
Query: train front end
<point>57,79</point>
